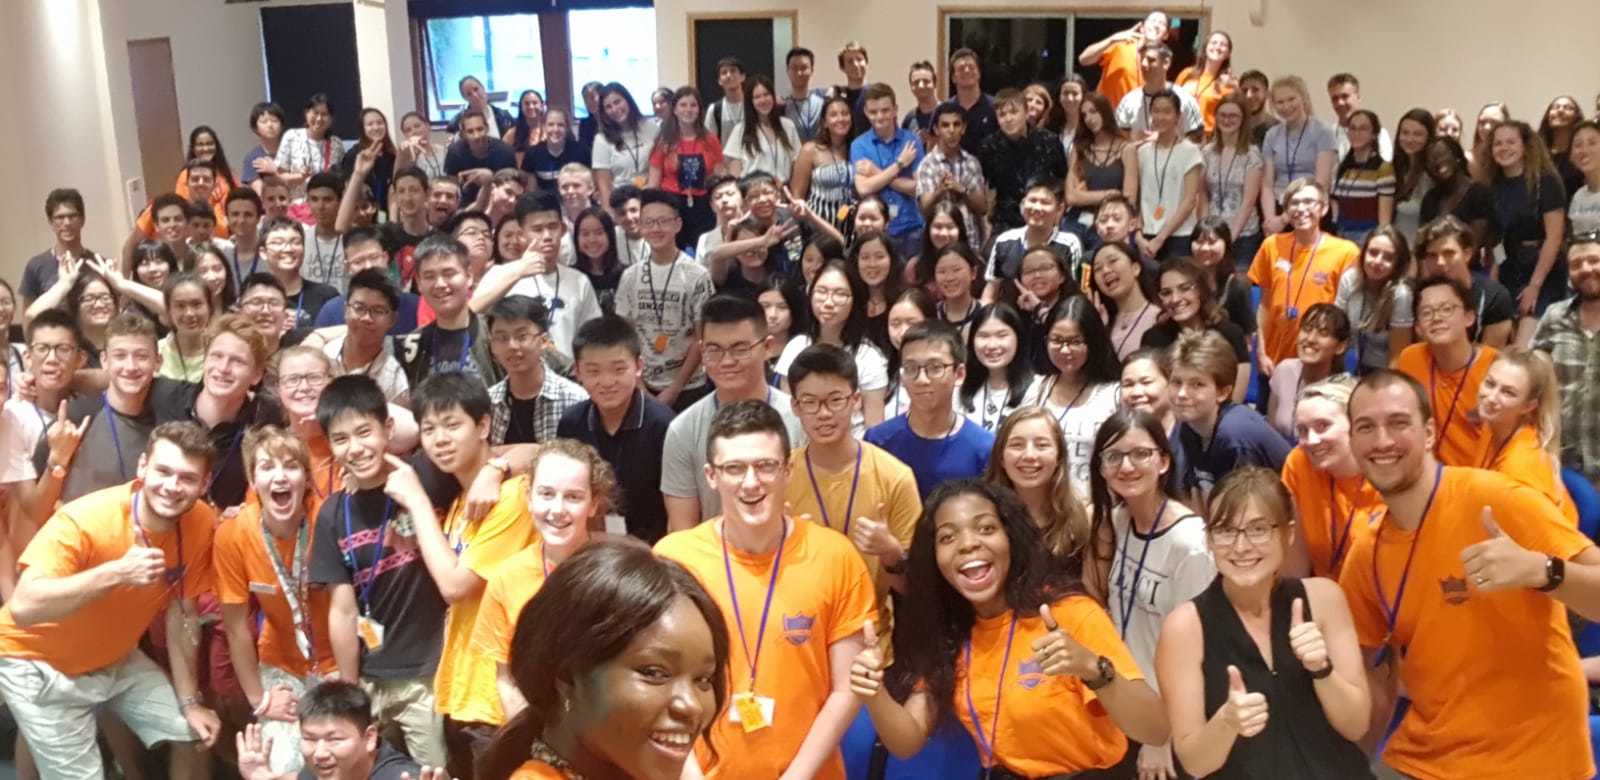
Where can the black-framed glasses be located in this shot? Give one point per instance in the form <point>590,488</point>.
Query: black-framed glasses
<point>1255,533</point>
<point>735,470</point>
<point>810,403</point>
<point>934,371</point>
<point>61,351</point>
<point>714,353</point>
<point>1139,456</point>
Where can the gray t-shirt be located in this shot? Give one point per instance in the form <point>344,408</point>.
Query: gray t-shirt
<point>683,458</point>
<point>1352,297</point>
<point>109,452</point>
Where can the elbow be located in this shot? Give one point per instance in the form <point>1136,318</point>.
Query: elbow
<point>1196,761</point>
<point>24,611</point>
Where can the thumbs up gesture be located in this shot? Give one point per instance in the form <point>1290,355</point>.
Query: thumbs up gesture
<point>1244,712</point>
<point>871,536</point>
<point>1499,563</point>
<point>866,671</point>
<point>1305,639</point>
<point>1059,654</point>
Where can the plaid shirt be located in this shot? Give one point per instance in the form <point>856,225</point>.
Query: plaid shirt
<point>1576,354</point>
<point>555,396</point>
<point>968,175</point>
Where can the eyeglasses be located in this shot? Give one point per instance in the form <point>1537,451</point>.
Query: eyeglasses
<point>295,381</point>
<point>1228,536</point>
<point>810,404</point>
<point>61,351</point>
<point>363,311</point>
<point>1440,312</point>
<point>285,243</point>
<point>934,371</point>
<point>1062,345</point>
<point>662,222</point>
<point>1138,456</point>
<point>714,353</point>
<point>473,232</point>
<point>735,470</point>
<point>825,294</point>
<point>97,299</point>
<point>524,338</point>
<point>261,305</point>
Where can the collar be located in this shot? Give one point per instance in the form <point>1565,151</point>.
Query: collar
<point>632,419</point>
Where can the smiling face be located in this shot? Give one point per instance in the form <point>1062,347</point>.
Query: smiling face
<point>751,500</point>
<point>735,355</point>
<point>1411,136</point>
<point>923,84</point>
<point>972,550</point>
<point>1180,297</point>
<point>1306,207</point>
<point>444,283</point>
<point>610,375</point>
<point>1143,386</point>
<point>1323,430</point>
<point>96,305</point>
<point>1041,274</point>
<point>1586,150</point>
<point>189,307</point>
<point>131,362</point>
<point>172,481</point>
<point>1013,118</point>
<point>1442,317</point>
<point>230,368</point>
<point>954,276</point>
<point>921,358</point>
<point>1038,104</point>
<point>301,379</point>
<point>870,216</point>
<point>995,344</point>
<point>881,114</point>
<point>763,99</point>
<point>902,316</point>
<point>1245,563</point>
<point>286,250</point>
<point>531,104</point>
<point>593,240</point>
<point>1089,115</point>
<point>1388,436</point>
<point>171,222</point>
<point>53,355</point>
<point>825,403</point>
<point>1031,457</point>
<point>1507,148</point>
<point>1346,98</point>
<point>1115,273</point>
<point>358,443</point>
<point>1208,248</point>
<point>1195,395</point>
<point>873,262</point>
<point>1070,97</point>
<point>1449,126</point>
<point>1068,350</point>
<point>1133,465</point>
<point>1288,104</point>
<point>686,109</point>
<point>374,127</point>
<point>1563,112</point>
<point>1361,132</point>
<point>280,483</point>
<point>1378,261</point>
<point>562,501</point>
<point>831,299</point>
<point>616,107</point>
<point>318,119</point>
<point>1583,268</point>
<point>641,711</point>
<point>1506,395</point>
<point>943,230</point>
<point>1317,346</point>
<point>152,270</point>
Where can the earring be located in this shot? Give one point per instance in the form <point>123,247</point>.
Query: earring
<point>566,704</point>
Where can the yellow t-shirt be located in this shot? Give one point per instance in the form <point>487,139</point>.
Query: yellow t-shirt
<point>514,585</point>
<point>463,687</point>
<point>884,480</point>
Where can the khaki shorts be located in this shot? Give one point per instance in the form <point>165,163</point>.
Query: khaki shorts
<point>406,704</point>
<point>55,712</point>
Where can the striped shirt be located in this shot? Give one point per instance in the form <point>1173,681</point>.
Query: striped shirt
<point>1357,190</point>
<point>1576,354</point>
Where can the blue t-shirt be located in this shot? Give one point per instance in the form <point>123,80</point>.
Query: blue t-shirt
<point>935,461</point>
<point>248,173</point>
<point>1243,438</point>
<point>904,218</point>
<point>405,321</point>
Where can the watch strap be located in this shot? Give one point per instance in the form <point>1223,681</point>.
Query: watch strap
<point>1555,572</point>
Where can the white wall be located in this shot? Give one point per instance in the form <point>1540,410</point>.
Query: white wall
<point>1407,52</point>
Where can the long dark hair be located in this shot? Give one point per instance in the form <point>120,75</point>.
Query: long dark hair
<point>1215,227</point>
<point>1056,120</point>
<point>855,324</point>
<point>612,130</point>
<point>224,301</point>
<point>672,129</point>
<point>948,204</point>
<point>1380,311</point>
<point>1102,540</point>
<point>918,297</point>
<point>220,159</point>
<point>1018,373</point>
<point>1085,137</point>
<point>611,262</point>
<point>1204,284</point>
<point>897,265</point>
<point>794,296</point>
<point>388,136</point>
<point>753,120</point>
<point>824,137</point>
<point>1408,172</point>
<point>1349,160</point>
<point>931,629</point>
<point>1547,132</point>
<point>519,135</point>
<point>1146,285</point>
<point>586,614</point>
<point>1102,365</point>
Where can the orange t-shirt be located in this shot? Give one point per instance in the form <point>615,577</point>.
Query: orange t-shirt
<point>86,533</point>
<point>533,769</point>
<point>1454,396</point>
<point>1523,460</point>
<point>513,585</point>
<point>1049,725</point>
<point>1290,277</point>
<point>823,595</point>
<point>1333,513</point>
<point>147,221</point>
<point>1119,71</point>
<point>243,569</point>
<point>1208,92</point>
<point>1496,689</point>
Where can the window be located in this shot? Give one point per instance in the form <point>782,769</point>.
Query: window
<point>1041,46</point>
<point>502,51</point>
<point>613,44</point>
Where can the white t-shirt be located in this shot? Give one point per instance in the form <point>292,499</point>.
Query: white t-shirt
<point>1152,575</point>
<point>770,155</point>
<point>663,302</point>
<point>573,304</point>
<point>324,259</point>
<point>632,160</point>
<point>1078,424</point>
<point>1584,213</point>
<point>872,373</point>
<point>1161,173</point>
<point>384,369</point>
<point>24,424</point>
<point>1133,112</point>
<point>1373,347</point>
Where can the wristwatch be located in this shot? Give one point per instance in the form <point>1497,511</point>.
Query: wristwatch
<point>500,464</point>
<point>1108,672</point>
<point>1555,571</point>
<point>58,470</point>
<point>1322,673</point>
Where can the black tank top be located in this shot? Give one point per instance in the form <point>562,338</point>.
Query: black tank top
<point>1298,741</point>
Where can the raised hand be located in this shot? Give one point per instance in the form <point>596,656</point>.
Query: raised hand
<point>871,535</point>
<point>908,153</point>
<point>1057,653</point>
<point>1499,563</point>
<point>402,483</point>
<point>1305,639</point>
<point>866,671</point>
<point>138,567</point>
<point>1244,712</point>
<point>64,437</point>
<point>254,751</point>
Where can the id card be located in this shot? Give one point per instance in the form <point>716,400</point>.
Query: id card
<point>639,181</point>
<point>263,588</point>
<point>371,633</point>
<point>752,712</point>
<point>616,525</point>
<point>660,344</point>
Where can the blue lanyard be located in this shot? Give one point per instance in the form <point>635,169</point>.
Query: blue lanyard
<point>1433,367</point>
<point>1131,596</point>
<point>986,744</point>
<point>822,506</point>
<point>1291,309</point>
<point>733,595</point>
<point>365,591</point>
<point>1391,614</point>
<point>173,575</point>
<point>1340,542</point>
<point>116,441</point>
<point>1289,163</point>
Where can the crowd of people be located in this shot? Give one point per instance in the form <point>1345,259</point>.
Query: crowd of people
<point>1078,430</point>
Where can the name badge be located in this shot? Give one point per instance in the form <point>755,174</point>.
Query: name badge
<point>264,588</point>
<point>1282,265</point>
<point>616,525</point>
<point>371,633</point>
<point>750,711</point>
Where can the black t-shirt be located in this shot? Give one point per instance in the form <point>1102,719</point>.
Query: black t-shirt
<point>1474,204</point>
<point>38,275</point>
<point>1009,164</point>
<point>643,430</point>
<point>378,178</point>
<point>1492,304</point>
<point>307,303</point>
<point>543,166</point>
<point>401,596</point>
<point>1519,214</point>
<point>981,122</point>
<point>459,157</point>
<point>389,764</point>
<point>1163,334</point>
<point>520,428</point>
<point>172,400</point>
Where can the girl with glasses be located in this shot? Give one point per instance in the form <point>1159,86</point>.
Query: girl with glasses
<point>1078,383</point>
<point>839,317</point>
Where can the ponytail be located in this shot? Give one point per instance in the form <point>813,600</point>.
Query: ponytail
<point>509,748</point>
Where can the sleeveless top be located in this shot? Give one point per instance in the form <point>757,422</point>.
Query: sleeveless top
<point>1095,178</point>
<point>1298,741</point>
<point>831,191</point>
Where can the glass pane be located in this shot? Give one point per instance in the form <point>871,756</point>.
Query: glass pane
<point>501,51</point>
<point>516,60</point>
<point>614,44</point>
<point>1016,50</point>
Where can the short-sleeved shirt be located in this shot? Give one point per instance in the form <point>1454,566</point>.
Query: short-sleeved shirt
<point>966,171</point>
<point>683,457</point>
<point>1575,351</point>
<point>1133,112</point>
<point>981,119</point>
<point>1153,574</point>
<point>388,764</point>
<point>664,302</point>
<point>1226,173</point>
<point>1119,71</point>
<point>770,155</point>
<point>92,531</point>
<point>1050,724</point>
<point>357,546</point>
<point>1454,398</point>
<point>1492,304</point>
<point>629,163</point>
<point>1372,343</point>
<point>872,371</point>
<point>323,261</point>
<point>1241,437</point>
<point>1332,513</point>
<point>1473,663</point>
<point>959,455</point>
<point>175,401</point>
<point>514,420</point>
<point>459,157</point>
<point>1293,278</point>
<point>175,364</point>
<point>1524,460</point>
<point>432,349</point>
<point>299,153</point>
<point>1010,164</point>
<point>1005,256</point>
<point>805,112</point>
<point>1356,191</point>
<point>1476,203</point>
<point>22,431</point>
<point>102,459</point>
<point>544,165</point>
<point>383,369</point>
<point>1583,212</point>
<point>688,167</point>
<point>822,595</point>
<point>463,686</point>
<point>510,589</point>
<point>904,216</point>
<point>245,573</point>
<point>1519,214</point>
<point>308,303</point>
<point>644,429</point>
<point>1294,152</point>
<point>405,319</point>
<point>1163,334</point>
<point>1161,185</point>
<point>39,274</point>
<point>570,298</point>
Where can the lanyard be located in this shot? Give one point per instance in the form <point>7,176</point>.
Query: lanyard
<point>766,607</point>
<point>1132,596</point>
<point>1291,309</point>
<point>1433,367</point>
<point>997,411</point>
<point>1226,179</point>
<point>1340,542</point>
<point>555,289</point>
<point>116,441</point>
<point>1289,163</point>
<point>1061,419</point>
<point>293,584</point>
<point>1391,614</point>
<point>1134,328</point>
<point>822,506</point>
<point>1161,174</point>
<point>986,744</point>
<point>365,591</point>
<point>656,301</point>
<point>173,575</point>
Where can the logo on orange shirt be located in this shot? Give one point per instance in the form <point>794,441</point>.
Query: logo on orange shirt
<point>1320,277</point>
<point>1454,590</point>
<point>797,629</point>
<point>1030,674</point>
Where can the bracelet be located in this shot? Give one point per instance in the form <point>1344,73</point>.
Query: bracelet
<point>192,700</point>
<point>266,703</point>
<point>1323,673</point>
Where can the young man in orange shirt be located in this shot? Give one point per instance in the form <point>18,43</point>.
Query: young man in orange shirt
<point>1463,583</point>
<point>1118,55</point>
<point>1295,271</point>
<point>796,595</point>
<point>93,579</point>
<point>461,553</point>
<point>292,652</point>
<point>1449,365</point>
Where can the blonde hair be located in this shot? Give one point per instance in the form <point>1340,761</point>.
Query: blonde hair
<point>272,441</point>
<point>275,365</point>
<point>1299,86</point>
<point>1336,388</point>
<point>1066,527</point>
<point>602,478</point>
<point>1207,352</point>
<point>1542,387</point>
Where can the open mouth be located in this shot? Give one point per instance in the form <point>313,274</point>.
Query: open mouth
<point>976,574</point>
<point>281,500</point>
<point>674,742</point>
